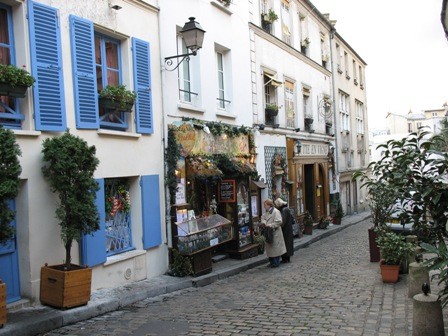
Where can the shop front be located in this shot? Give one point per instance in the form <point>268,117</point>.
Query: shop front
<point>212,202</point>
<point>308,166</point>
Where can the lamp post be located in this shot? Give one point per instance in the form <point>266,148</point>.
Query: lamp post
<point>193,35</point>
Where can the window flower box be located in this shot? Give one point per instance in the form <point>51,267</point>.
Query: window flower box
<point>271,110</point>
<point>117,98</point>
<point>14,81</point>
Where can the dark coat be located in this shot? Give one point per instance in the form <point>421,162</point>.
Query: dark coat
<point>287,222</point>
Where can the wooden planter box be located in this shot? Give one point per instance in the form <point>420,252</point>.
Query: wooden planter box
<point>2,304</point>
<point>65,289</point>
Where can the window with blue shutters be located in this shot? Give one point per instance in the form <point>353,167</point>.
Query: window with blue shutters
<point>96,62</point>
<point>46,64</point>
<point>10,116</point>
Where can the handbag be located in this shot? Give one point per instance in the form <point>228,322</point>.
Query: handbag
<point>268,234</point>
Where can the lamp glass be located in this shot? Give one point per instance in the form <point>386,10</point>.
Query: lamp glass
<point>193,35</point>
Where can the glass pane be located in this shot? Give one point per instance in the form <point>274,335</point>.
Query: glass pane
<point>98,60</point>
<point>112,55</point>
<point>4,32</point>
<point>99,78</point>
<point>112,78</point>
<point>5,55</point>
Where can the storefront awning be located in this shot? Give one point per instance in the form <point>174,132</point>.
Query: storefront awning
<point>198,166</point>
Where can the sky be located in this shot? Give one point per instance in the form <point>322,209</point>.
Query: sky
<point>405,48</point>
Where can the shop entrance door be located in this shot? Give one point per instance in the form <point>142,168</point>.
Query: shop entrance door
<point>309,189</point>
<point>9,266</point>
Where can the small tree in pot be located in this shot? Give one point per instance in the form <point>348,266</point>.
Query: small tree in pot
<point>69,165</point>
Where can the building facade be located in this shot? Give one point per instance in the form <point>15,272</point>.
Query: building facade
<point>74,49</point>
<point>350,108</point>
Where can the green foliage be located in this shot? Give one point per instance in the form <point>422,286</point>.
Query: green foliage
<point>119,94</point>
<point>272,107</point>
<point>324,222</point>
<point>270,16</point>
<point>69,166</point>
<point>10,171</point>
<point>15,76</point>
<point>438,262</point>
<point>339,211</point>
<point>393,247</point>
<point>172,155</point>
<point>181,265</point>
<point>410,171</point>
<point>307,219</point>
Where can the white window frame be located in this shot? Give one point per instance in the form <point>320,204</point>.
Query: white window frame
<point>359,117</point>
<point>188,77</point>
<point>290,110</point>
<point>344,110</point>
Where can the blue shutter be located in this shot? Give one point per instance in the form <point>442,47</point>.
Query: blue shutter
<point>46,62</point>
<point>142,84</point>
<point>93,247</point>
<point>84,74</point>
<point>152,233</point>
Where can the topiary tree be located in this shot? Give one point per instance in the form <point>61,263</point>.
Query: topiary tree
<point>69,165</point>
<point>10,171</point>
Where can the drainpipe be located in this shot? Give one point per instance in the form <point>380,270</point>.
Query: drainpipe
<point>336,137</point>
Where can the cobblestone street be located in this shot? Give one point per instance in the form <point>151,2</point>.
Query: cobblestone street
<point>329,288</point>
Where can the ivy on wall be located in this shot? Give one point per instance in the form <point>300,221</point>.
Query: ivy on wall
<point>173,153</point>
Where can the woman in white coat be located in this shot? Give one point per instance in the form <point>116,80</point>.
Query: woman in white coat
<point>273,218</point>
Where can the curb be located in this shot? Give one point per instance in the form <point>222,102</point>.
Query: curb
<point>41,319</point>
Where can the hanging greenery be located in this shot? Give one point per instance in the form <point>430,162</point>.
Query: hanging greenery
<point>172,156</point>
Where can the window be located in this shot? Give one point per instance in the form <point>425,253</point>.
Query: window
<point>347,75</point>
<point>187,73</point>
<point>409,127</point>
<point>339,58</point>
<point>307,110</point>
<point>289,104</point>
<point>10,115</point>
<point>361,80</point>
<point>270,98</point>
<point>355,77</point>
<point>286,22</point>
<point>359,117</point>
<point>344,111</point>
<point>324,50</point>
<point>223,64</point>
<point>118,216</point>
<point>304,37</point>
<point>108,72</point>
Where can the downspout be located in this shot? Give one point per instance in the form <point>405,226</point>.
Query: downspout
<point>336,152</point>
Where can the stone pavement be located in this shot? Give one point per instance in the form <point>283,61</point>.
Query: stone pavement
<point>330,288</point>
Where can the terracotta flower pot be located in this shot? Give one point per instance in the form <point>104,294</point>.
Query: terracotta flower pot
<point>389,273</point>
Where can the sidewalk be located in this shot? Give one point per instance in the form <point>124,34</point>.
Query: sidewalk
<point>41,319</point>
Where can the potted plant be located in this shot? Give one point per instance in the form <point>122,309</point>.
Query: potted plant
<point>261,241</point>
<point>324,222</point>
<point>269,17</point>
<point>305,42</point>
<point>69,166</point>
<point>271,109</point>
<point>338,212</point>
<point>10,171</point>
<point>394,249</point>
<point>308,223</point>
<point>117,98</point>
<point>14,81</point>
<point>181,265</point>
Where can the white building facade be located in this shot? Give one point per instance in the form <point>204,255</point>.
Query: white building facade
<point>74,49</point>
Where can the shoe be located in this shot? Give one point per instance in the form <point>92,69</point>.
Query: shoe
<point>285,261</point>
<point>274,266</point>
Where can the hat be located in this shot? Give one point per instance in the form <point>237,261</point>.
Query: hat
<point>279,202</point>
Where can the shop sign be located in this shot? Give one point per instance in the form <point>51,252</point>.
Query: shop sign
<point>193,141</point>
<point>227,191</point>
<point>314,149</point>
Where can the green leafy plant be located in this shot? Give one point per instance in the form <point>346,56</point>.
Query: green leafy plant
<point>120,95</point>
<point>270,16</point>
<point>438,262</point>
<point>10,171</point>
<point>181,265</point>
<point>272,107</point>
<point>339,211</point>
<point>324,222</point>
<point>69,166</point>
<point>261,241</point>
<point>15,76</point>
<point>308,220</point>
<point>393,247</point>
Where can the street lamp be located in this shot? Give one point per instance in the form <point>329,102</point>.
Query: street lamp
<point>193,35</point>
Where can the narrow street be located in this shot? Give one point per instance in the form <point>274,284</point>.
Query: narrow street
<point>329,288</point>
